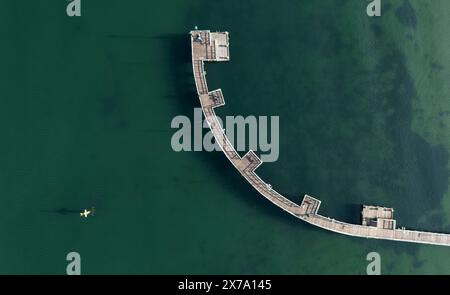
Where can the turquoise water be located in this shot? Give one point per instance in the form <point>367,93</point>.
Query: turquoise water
<point>86,109</point>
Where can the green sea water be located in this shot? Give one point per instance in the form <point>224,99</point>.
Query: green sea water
<point>85,110</point>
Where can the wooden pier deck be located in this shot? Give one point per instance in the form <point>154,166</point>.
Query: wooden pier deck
<point>378,222</point>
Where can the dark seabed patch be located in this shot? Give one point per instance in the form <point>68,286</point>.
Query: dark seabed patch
<point>376,29</point>
<point>108,105</point>
<point>386,8</point>
<point>406,15</point>
<point>437,67</point>
<point>420,172</point>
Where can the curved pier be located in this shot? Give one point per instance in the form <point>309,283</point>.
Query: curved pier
<point>377,222</point>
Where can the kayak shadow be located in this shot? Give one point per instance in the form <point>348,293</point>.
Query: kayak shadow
<point>64,211</point>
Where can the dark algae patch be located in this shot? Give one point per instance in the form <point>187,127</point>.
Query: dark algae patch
<point>417,171</point>
<point>406,14</point>
<point>377,30</point>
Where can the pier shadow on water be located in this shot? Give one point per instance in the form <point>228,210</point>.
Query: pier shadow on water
<point>177,48</point>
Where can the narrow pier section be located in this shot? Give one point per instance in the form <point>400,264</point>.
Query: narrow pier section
<point>377,222</point>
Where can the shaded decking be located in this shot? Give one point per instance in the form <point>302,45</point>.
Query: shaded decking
<point>207,46</point>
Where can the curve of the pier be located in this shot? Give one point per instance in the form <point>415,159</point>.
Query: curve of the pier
<point>377,222</point>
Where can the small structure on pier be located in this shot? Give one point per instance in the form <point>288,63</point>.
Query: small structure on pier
<point>208,46</point>
<point>379,217</point>
<point>310,205</point>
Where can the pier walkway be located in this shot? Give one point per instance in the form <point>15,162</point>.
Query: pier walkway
<point>377,222</point>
